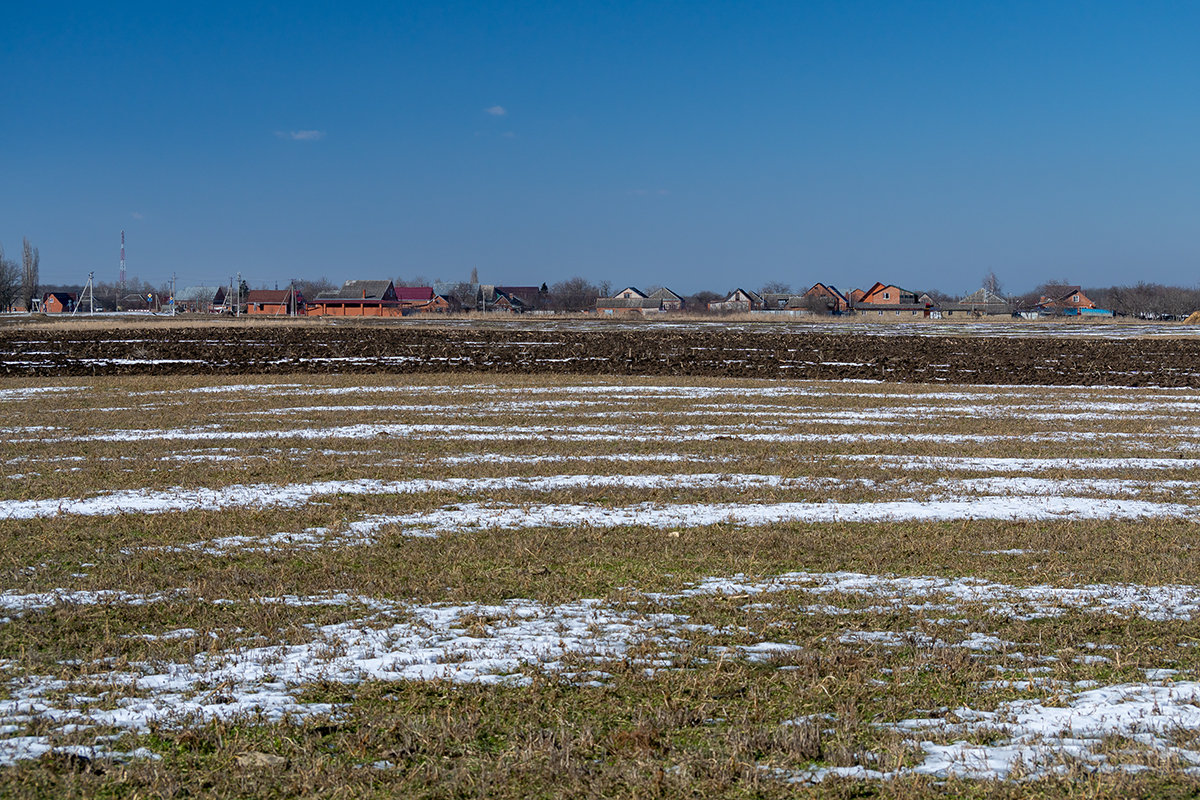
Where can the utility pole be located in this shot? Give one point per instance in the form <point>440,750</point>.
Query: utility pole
<point>91,297</point>
<point>173,303</point>
<point>238,312</point>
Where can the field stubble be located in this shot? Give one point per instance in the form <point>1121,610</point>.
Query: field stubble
<point>518,586</point>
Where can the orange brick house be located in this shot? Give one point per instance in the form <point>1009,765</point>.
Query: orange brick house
<point>1071,297</point>
<point>59,302</point>
<point>274,302</point>
<point>892,301</point>
<point>358,299</point>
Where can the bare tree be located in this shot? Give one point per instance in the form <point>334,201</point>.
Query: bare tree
<point>29,273</point>
<point>991,283</point>
<point>776,287</point>
<point>573,294</point>
<point>311,288</point>
<point>10,282</point>
<point>465,294</point>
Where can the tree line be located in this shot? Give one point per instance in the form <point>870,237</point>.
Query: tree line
<point>19,282</point>
<point>19,286</point>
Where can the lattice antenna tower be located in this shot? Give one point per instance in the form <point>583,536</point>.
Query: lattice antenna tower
<point>122,280</point>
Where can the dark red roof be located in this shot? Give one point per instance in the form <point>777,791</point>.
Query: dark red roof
<point>414,294</point>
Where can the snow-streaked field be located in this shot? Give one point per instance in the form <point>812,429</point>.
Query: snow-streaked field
<point>913,583</point>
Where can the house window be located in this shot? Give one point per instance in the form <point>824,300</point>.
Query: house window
<point>1075,299</point>
<point>886,295</point>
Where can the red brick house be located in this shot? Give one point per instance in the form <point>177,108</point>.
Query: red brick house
<point>439,304</point>
<point>829,296</point>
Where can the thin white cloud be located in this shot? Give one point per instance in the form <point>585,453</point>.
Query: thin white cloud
<point>497,111</point>
<point>137,215</point>
<point>301,136</point>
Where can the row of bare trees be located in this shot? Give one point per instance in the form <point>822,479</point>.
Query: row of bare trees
<point>19,282</point>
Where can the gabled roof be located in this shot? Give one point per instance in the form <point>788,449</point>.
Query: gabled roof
<point>665,294</point>
<point>361,290</point>
<point>826,291</point>
<point>778,299</point>
<point>753,296</point>
<point>269,296</point>
<point>880,286</point>
<point>62,297</point>
<point>985,297</point>
<point>506,296</point>
<point>414,294</point>
<point>636,291</point>
<point>525,294</point>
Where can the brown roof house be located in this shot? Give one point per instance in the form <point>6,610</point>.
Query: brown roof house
<point>275,302</point>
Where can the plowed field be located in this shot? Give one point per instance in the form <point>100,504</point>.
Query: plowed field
<point>226,349</point>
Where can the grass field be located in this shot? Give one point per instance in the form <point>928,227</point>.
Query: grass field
<point>520,586</point>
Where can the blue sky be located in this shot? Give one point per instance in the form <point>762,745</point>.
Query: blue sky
<point>701,145</point>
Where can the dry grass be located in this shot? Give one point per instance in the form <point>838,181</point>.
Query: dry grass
<point>706,719</point>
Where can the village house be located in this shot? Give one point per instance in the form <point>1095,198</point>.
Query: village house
<point>1068,301</point>
<point>509,299</point>
<point>632,300</point>
<point>890,300</point>
<point>59,302</point>
<point>827,296</point>
<point>412,297</point>
<point>358,298</point>
<point>439,304</point>
<point>504,303</point>
<point>981,303</point>
<point>275,302</point>
<point>201,299</point>
<point>136,301</point>
<point>739,300</point>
